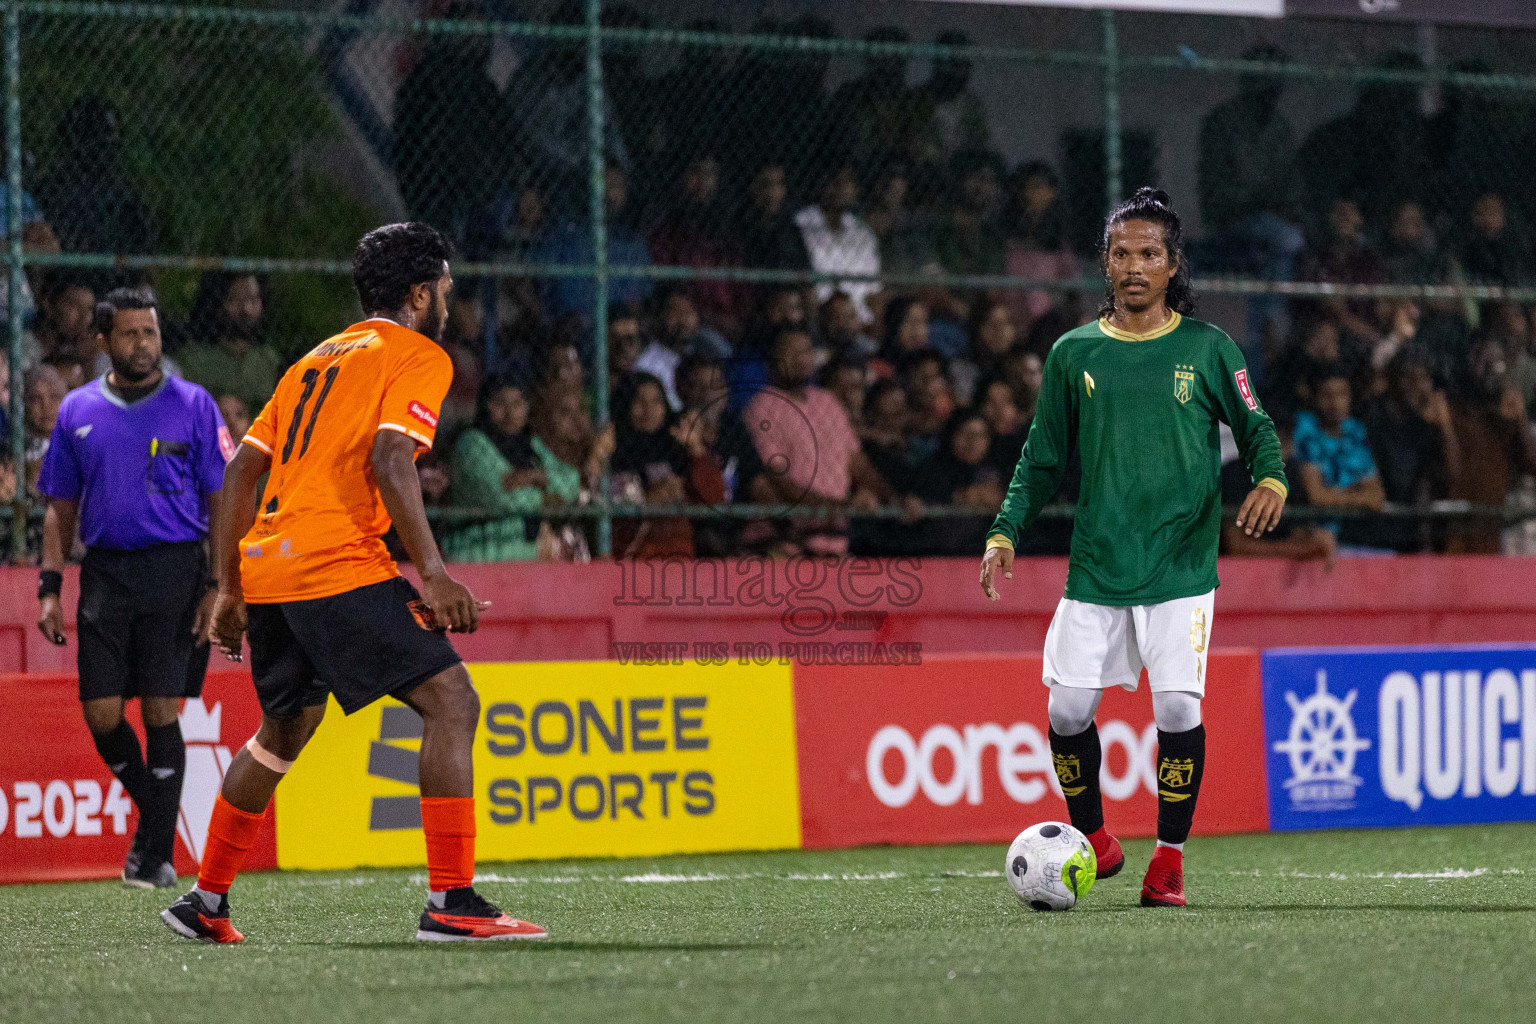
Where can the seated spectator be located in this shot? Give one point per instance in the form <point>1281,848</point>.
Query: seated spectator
<point>875,109</point>
<point>37,236</point>
<point>969,241</point>
<point>1337,468</point>
<point>1413,439</point>
<point>842,333</point>
<point>838,242</point>
<point>1038,248</point>
<point>769,238</point>
<point>1315,345</point>
<point>626,340</point>
<point>678,334</point>
<point>1492,253</point>
<point>237,416</point>
<point>811,452</point>
<point>961,473</point>
<point>570,242</point>
<point>947,117</point>
<point>703,387</point>
<point>66,309</point>
<point>1509,323</point>
<point>693,233</point>
<point>512,224</point>
<point>1009,429</point>
<point>989,335</point>
<point>228,354</point>
<point>1343,257</point>
<point>778,307</point>
<point>559,366</point>
<point>659,459</point>
<point>1298,541</point>
<point>1410,252</point>
<point>1024,372</point>
<point>848,381</point>
<point>924,376</point>
<point>1497,443</point>
<point>452,127</point>
<point>464,339</point>
<point>44,391</point>
<point>494,468</point>
<point>906,331</point>
<point>906,240</point>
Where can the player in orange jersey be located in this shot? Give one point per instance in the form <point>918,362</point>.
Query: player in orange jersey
<point>308,576</point>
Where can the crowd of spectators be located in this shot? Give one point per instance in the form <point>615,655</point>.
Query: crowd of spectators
<point>844,396</point>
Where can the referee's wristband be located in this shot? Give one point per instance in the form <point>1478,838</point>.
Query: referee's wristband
<point>50,583</point>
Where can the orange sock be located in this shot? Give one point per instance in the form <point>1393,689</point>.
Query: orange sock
<point>231,832</point>
<point>449,822</point>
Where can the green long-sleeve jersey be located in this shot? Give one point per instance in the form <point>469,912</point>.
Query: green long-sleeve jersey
<point>1142,411</point>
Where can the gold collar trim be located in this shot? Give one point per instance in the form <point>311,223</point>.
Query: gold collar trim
<point>1169,326</point>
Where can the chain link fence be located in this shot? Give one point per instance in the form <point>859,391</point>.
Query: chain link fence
<point>900,178</point>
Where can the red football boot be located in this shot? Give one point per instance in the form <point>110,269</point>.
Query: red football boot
<point>1164,884</point>
<point>469,917</point>
<point>1107,852</point>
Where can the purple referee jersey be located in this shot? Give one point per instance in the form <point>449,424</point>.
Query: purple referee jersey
<point>142,473</point>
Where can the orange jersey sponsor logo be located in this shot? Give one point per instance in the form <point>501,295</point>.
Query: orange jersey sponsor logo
<point>321,512</point>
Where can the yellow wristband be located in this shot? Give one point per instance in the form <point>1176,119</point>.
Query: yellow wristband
<point>997,540</point>
<point>1275,485</point>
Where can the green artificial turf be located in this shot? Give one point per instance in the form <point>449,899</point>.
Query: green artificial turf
<point>1426,925</point>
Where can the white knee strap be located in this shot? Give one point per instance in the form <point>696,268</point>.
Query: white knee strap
<point>1175,710</point>
<point>266,758</point>
<point>1071,708</point>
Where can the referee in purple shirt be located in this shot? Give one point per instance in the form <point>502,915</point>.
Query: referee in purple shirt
<point>137,456</point>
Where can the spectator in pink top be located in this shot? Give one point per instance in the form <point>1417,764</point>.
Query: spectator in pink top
<point>811,452</point>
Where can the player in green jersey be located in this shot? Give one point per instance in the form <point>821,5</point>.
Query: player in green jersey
<point>1139,394</point>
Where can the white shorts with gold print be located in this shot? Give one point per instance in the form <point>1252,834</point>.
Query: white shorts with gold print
<point>1096,646</point>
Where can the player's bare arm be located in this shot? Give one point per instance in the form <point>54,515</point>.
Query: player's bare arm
<point>394,467</point>
<point>203,617</point>
<point>226,626</point>
<point>58,523</point>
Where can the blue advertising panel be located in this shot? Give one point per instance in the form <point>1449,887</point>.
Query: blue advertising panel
<point>1383,736</point>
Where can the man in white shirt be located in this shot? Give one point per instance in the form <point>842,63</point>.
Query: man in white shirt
<point>839,242</point>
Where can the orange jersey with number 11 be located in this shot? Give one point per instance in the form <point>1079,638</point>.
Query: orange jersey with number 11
<point>320,528</point>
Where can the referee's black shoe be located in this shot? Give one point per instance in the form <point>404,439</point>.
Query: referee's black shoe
<point>148,873</point>
<point>135,858</point>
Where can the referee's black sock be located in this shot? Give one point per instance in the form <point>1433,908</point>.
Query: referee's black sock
<point>1180,763</point>
<point>1076,759</point>
<point>167,756</point>
<point>120,749</point>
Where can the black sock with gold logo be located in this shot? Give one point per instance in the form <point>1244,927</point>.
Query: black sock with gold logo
<point>1180,763</point>
<point>1076,759</point>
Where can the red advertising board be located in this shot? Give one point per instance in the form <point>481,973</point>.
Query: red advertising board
<point>63,815</point>
<point>956,750</point>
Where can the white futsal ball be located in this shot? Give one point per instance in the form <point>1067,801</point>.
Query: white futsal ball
<point>1051,866</point>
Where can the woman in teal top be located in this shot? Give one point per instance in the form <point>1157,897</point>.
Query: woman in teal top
<point>496,468</point>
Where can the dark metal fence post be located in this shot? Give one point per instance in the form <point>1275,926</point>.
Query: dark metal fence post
<point>596,205</point>
<point>15,281</point>
<point>1112,184</point>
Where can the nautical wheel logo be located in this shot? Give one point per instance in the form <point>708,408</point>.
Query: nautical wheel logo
<point>1322,746</point>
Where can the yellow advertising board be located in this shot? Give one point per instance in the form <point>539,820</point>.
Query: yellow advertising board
<point>572,759</point>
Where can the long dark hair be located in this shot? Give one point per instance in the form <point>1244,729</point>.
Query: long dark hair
<point>1152,204</point>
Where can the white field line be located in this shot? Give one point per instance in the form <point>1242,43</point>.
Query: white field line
<point>1337,876</point>
<point>663,878</point>
<point>659,878</point>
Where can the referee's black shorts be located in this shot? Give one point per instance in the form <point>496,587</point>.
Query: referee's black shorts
<point>359,645</point>
<point>135,622</point>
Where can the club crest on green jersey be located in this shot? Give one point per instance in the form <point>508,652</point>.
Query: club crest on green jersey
<point>1183,383</point>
